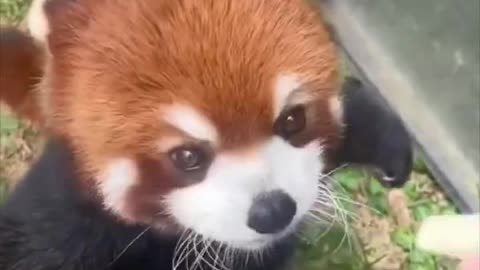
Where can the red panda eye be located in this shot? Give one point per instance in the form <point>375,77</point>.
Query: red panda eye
<point>188,158</point>
<point>291,122</point>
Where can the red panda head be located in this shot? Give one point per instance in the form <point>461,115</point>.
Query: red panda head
<point>215,116</point>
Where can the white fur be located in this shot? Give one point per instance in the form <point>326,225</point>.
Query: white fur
<point>190,121</point>
<point>167,143</point>
<point>120,175</point>
<point>284,87</point>
<point>217,208</point>
<point>336,109</point>
<point>37,21</point>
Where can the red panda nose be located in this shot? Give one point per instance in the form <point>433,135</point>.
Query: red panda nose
<point>271,212</point>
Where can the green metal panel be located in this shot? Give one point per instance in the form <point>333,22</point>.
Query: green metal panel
<point>423,56</point>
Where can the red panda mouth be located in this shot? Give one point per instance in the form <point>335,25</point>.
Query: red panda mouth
<point>250,203</point>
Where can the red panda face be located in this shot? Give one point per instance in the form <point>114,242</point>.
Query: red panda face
<point>212,116</point>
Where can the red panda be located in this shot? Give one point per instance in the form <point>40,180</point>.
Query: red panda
<point>183,134</point>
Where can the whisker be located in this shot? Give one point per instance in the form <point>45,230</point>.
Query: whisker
<point>329,199</point>
<point>129,245</point>
<point>178,260</point>
<point>192,250</point>
<point>208,244</point>
<point>345,231</point>
<point>178,247</point>
<point>181,242</point>
<point>223,260</point>
<point>323,213</point>
<point>358,204</point>
<point>247,257</point>
<point>195,256</point>
<point>319,222</point>
<point>343,213</point>
<point>336,169</point>
<point>200,256</point>
<point>334,220</point>
<point>335,198</point>
<point>229,255</point>
<point>212,254</point>
<point>330,227</point>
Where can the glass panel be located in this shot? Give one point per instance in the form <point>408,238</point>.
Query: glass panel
<point>423,56</point>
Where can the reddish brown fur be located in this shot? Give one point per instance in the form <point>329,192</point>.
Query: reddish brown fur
<point>20,71</point>
<point>115,64</point>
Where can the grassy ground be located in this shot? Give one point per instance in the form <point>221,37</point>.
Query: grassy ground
<point>382,223</point>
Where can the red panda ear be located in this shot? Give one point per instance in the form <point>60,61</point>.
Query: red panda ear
<point>53,22</point>
<point>66,17</point>
<point>23,55</point>
<point>20,72</point>
<point>37,22</point>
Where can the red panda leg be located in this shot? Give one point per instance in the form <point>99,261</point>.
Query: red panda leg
<point>20,72</point>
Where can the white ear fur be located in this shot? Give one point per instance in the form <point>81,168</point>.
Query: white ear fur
<point>37,22</point>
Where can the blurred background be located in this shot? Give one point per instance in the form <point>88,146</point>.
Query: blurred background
<point>423,58</point>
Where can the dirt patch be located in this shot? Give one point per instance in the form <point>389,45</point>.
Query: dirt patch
<point>19,145</point>
<point>374,233</point>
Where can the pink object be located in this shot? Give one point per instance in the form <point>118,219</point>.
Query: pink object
<point>470,264</point>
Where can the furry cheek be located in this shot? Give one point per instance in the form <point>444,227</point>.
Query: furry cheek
<point>133,190</point>
<point>218,207</point>
<point>115,183</point>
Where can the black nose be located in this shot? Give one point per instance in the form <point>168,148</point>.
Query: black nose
<point>271,212</point>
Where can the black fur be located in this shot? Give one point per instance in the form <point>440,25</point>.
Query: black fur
<point>374,134</point>
<point>47,224</point>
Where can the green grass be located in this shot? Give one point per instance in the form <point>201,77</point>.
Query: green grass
<point>375,237</point>
<point>12,11</point>
<point>8,127</point>
<point>421,204</point>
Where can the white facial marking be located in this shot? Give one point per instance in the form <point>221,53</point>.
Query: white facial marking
<point>119,176</point>
<point>190,121</point>
<point>218,207</point>
<point>285,85</point>
<point>37,21</point>
<point>165,144</point>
